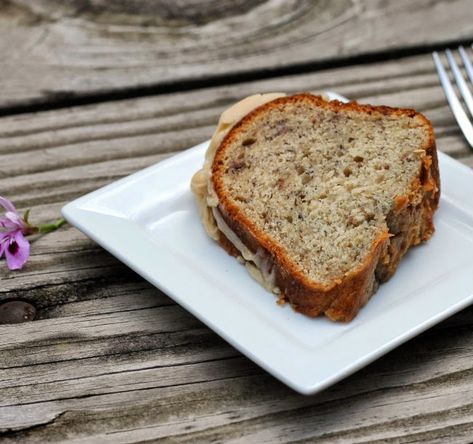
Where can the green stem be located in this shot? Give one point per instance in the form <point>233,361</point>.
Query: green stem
<point>47,228</point>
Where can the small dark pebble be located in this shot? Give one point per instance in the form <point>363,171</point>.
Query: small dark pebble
<point>14,312</point>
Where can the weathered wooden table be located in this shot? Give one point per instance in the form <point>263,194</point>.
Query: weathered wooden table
<point>93,91</point>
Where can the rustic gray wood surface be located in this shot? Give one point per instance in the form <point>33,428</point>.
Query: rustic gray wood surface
<point>74,48</point>
<point>109,357</point>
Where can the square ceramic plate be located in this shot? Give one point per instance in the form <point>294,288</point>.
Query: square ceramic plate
<point>149,221</point>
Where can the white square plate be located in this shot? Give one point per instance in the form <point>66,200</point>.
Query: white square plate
<point>149,221</point>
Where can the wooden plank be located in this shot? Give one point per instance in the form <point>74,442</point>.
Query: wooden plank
<point>114,359</point>
<point>383,401</point>
<point>71,49</point>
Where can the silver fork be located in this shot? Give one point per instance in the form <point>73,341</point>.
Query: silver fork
<point>464,122</point>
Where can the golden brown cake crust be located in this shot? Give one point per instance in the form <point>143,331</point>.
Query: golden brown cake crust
<point>409,223</point>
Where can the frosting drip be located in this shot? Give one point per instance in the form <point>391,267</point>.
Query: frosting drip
<point>258,264</point>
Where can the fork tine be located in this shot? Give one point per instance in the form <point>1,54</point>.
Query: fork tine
<point>455,105</point>
<point>462,86</point>
<point>466,62</point>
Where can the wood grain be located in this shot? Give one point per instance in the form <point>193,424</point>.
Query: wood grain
<point>66,50</point>
<point>112,359</point>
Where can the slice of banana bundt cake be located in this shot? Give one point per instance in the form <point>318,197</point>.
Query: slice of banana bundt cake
<point>319,199</point>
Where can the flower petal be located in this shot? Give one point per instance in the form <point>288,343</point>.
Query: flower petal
<point>7,204</point>
<point>17,251</point>
<point>7,223</point>
<point>12,219</point>
<point>15,219</point>
<point>4,239</point>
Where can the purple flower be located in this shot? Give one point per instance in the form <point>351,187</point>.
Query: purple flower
<point>13,243</point>
<point>13,228</point>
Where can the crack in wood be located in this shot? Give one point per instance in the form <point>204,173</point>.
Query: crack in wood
<point>256,371</point>
<point>133,370</point>
<point>15,431</point>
